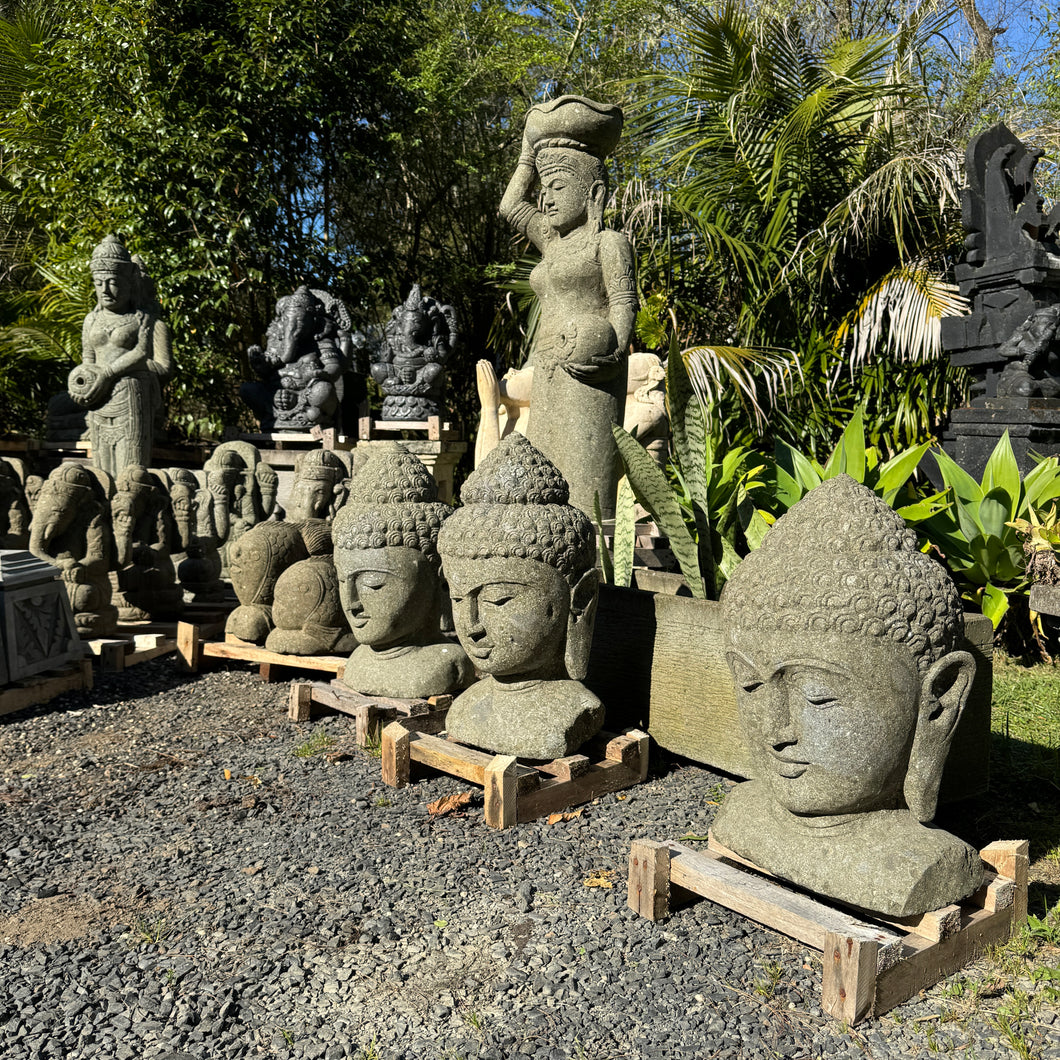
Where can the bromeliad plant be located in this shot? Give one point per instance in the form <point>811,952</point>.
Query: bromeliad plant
<point>976,534</point>
<point>1040,533</point>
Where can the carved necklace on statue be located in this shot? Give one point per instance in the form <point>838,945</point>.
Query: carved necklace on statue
<point>116,320</point>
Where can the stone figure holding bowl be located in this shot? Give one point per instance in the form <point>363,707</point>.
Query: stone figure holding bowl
<point>586,289</point>
<point>125,359</point>
<point>844,644</point>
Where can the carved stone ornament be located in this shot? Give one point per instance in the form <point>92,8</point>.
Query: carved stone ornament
<point>71,529</point>
<point>418,340</point>
<point>390,583</point>
<point>301,368</point>
<point>244,491</point>
<point>520,565</point>
<point>586,287</point>
<point>843,648</point>
<point>125,359</point>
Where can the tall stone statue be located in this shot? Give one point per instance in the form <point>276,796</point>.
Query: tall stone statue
<point>301,368</point>
<point>125,359</point>
<point>14,507</point>
<point>586,288</point>
<point>197,560</point>
<point>520,565</point>
<point>71,529</point>
<point>410,364</point>
<point>843,644</point>
<point>390,581</point>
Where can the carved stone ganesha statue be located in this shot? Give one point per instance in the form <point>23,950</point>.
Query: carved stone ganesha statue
<point>419,338</point>
<point>844,647</point>
<point>301,368</point>
<point>520,565</point>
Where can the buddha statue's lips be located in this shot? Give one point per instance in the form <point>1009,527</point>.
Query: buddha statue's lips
<point>789,768</point>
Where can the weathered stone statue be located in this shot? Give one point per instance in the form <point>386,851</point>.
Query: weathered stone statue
<point>255,562</point>
<point>418,340</point>
<point>646,414</point>
<point>843,639</point>
<point>520,565</point>
<point>1033,353</point>
<point>244,492</point>
<point>125,359</point>
<point>302,365</point>
<point>391,587</point>
<point>145,580</point>
<point>14,508</point>
<point>306,610</point>
<point>196,559</point>
<point>71,529</point>
<point>585,284</point>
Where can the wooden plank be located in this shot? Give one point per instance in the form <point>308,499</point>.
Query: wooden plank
<point>925,963</point>
<point>1011,858</point>
<point>188,646</point>
<point>566,768</point>
<point>142,655</point>
<point>395,755</point>
<point>554,795</point>
<point>112,656</point>
<point>449,757</point>
<point>299,702</point>
<point>848,978</point>
<point>648,885</point>
<point>233,648</point>
<point>770,904</point>
<point>499,783</point>
<point>36,690</point>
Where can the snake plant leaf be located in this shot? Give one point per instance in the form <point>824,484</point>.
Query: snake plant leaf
<point>653,491</point>
<point>606,565</point>
<point>625,533</point>
<point>688,425</point>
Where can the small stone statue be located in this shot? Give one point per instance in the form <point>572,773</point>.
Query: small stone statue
<point>71,529</point>
<point>520,565</point>
<point>125,359</point>
<point>255,563</point>
<point>321,479</point>
<point>301,369</point>
<point>843,642</point>
<point>391,587</point>
<point>14,508</point>
<point>144,538</point>
<point>197,560</point>
<point>586,287</point>
<point>1032,350</point>
<point>244,492</point>
<point>418,340</point>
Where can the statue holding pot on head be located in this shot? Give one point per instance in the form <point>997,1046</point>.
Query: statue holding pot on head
<point>586,288</point>
<point>125,359</point>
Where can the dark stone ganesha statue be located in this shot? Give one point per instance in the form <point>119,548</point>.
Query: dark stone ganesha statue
<point>301,368</point>
<point>418,340</point>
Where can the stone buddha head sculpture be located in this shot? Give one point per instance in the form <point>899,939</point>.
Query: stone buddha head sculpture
<point>386,557</point>
<point>520,565</point>
<point>850,683</point>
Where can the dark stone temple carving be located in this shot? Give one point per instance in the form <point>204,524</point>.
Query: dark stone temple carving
<point>1011,276</point>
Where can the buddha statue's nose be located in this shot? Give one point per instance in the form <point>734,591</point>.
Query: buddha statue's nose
<point>781,729</point>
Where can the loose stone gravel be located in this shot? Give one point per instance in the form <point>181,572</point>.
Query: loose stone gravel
<point>176,880</point>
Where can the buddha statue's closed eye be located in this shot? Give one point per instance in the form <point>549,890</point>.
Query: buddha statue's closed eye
<point>843,647</point>
<point>519,562</point>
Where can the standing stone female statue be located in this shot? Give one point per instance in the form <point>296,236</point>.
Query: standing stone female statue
<point>586,289</point>
<point>125,359</point>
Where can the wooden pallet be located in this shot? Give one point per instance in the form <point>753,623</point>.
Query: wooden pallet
<point>369,429</point>
<point>32,691</point>
<point>870,964</point>
<point>193,646</point>
<point>516,792</point>
<point>371,713</point>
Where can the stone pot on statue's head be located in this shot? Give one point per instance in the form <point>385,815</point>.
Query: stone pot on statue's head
<point>390,583</point>
<point>520,565</point>
<point>843,645</point>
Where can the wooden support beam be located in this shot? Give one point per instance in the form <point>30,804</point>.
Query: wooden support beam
<point>500,793</point>
<point>395,755</point>
<point>648,887</point>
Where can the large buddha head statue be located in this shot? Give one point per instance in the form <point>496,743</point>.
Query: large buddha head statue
<point>519,561</point>
<point>386,553</point>
<point>844,649</point>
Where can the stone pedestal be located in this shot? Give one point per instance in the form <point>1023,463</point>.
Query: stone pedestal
<point>38,625</point>
<point>1033,425</point>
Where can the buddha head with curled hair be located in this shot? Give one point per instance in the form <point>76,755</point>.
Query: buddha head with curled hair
<point>844,647</point>
<point>386,554</point>
<point>519,561</point>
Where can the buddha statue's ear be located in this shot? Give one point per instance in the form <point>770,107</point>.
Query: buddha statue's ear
<point>580,624</point>
<point>943,692</point>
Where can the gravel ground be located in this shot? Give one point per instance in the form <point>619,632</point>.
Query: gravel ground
<point>177,880</point>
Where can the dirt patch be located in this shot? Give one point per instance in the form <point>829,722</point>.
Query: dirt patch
<point>65,917</point>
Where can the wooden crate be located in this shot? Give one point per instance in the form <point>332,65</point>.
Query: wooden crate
<point>870,964</point>
<point>515,792</point>
<point>193,646</point>
<point>371,713</point>
<point>33,691</point>
<point>127,649</point>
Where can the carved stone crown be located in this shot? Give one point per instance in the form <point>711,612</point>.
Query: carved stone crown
<point>320,465</point>
<point>842,561</point>
<point>110,255</point>
<point>515,505</point>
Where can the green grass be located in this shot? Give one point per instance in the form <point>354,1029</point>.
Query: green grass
<point>1026,715</point>
<point>318,743</point>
